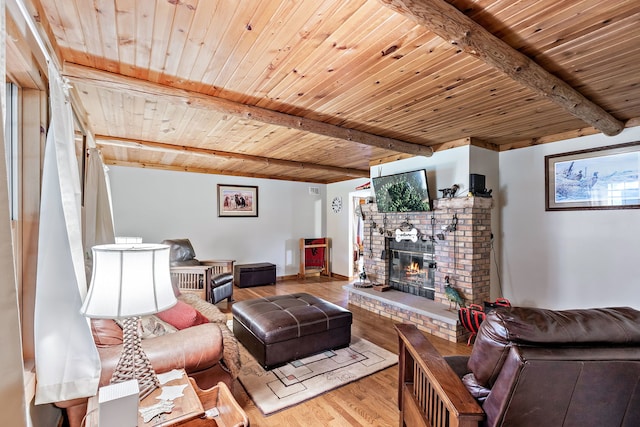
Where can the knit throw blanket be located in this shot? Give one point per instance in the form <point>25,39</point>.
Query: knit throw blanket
<point>231,352</point>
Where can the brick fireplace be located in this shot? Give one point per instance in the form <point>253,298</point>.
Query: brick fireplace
<point>456,239</point>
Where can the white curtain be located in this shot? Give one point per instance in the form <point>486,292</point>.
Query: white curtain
<point>67,363</point>
<point>98,219</point>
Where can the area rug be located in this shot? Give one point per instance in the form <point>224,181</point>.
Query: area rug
<point>307,378</point>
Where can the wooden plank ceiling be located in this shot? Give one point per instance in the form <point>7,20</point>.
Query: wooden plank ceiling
<point>320,90</point>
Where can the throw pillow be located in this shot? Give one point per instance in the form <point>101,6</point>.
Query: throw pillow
<point>477,390</point>
<point>151,327</point>
<point>182,316</point>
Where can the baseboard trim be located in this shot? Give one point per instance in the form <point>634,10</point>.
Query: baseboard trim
<point>295,277</point>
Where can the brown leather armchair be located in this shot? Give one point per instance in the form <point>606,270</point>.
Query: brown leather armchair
<point>193,275</point>
<point>528,367</point>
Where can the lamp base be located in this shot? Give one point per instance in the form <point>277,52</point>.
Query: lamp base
<point>134,363</point>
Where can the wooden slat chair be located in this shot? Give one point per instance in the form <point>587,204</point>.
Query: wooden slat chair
<point>200,277</point>
<point>192,279</point>
<point>429,391</point>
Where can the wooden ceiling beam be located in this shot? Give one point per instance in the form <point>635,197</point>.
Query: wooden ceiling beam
<point>145,165</point>
<point>104,79</point>
<point>158,146</point>
<point>469,140</point>
<point>450,24</point>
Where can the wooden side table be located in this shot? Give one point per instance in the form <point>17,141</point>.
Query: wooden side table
<point>229,412</point>
<point>192,409</point>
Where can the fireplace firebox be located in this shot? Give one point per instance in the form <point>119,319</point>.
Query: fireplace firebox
<point>412,267</point>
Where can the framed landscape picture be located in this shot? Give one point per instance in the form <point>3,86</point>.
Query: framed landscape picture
<point>237,200</point>
<point>601,178</point>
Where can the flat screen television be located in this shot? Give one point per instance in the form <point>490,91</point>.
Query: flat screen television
<point>402,192</point>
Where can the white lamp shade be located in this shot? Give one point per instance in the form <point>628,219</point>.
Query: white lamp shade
<point>129,280</point>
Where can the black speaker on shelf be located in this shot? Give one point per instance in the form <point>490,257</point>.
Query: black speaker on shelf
<point>477,185</point>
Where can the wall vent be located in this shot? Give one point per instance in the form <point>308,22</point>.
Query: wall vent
<point>314,191</point>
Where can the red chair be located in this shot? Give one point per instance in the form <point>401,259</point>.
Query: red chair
<point>471,317</point>
<point>502,302</point>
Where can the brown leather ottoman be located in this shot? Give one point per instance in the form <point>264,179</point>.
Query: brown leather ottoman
<point>247,275</point>
<point>282,328</point>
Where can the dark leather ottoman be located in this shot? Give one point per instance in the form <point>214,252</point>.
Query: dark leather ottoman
<point>247,275</point>
<point>282,328</point>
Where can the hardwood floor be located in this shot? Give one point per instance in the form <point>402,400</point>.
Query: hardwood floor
<point>371,401</point>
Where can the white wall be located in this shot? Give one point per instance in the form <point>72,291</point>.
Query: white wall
<point>158,205</point>
<point>444,169</point>
<point>338,225</point>
<point>565,259</point>
<point>486,162</point>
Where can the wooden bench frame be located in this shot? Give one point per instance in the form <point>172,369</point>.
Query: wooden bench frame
<point>429,391</point>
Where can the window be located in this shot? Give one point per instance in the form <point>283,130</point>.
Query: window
<point>620,192</point>
<point>12,149</point>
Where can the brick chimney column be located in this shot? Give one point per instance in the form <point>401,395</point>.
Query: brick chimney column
<point>465,254</point>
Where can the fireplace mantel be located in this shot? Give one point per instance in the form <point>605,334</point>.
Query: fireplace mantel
<point>462,253</point>
<point>463,203</point>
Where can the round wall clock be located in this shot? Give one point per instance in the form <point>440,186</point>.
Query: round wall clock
<point>336,204</point>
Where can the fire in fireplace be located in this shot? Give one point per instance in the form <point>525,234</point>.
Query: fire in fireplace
<point>412,267</point>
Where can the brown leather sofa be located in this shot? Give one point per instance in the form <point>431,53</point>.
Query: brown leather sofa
<point>533,367</point>
<point>207,352</point>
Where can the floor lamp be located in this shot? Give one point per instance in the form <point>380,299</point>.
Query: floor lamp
<point>129,281</point>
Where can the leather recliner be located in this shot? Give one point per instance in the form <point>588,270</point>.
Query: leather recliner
<point>183,254</point>
<point>531,367</point>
